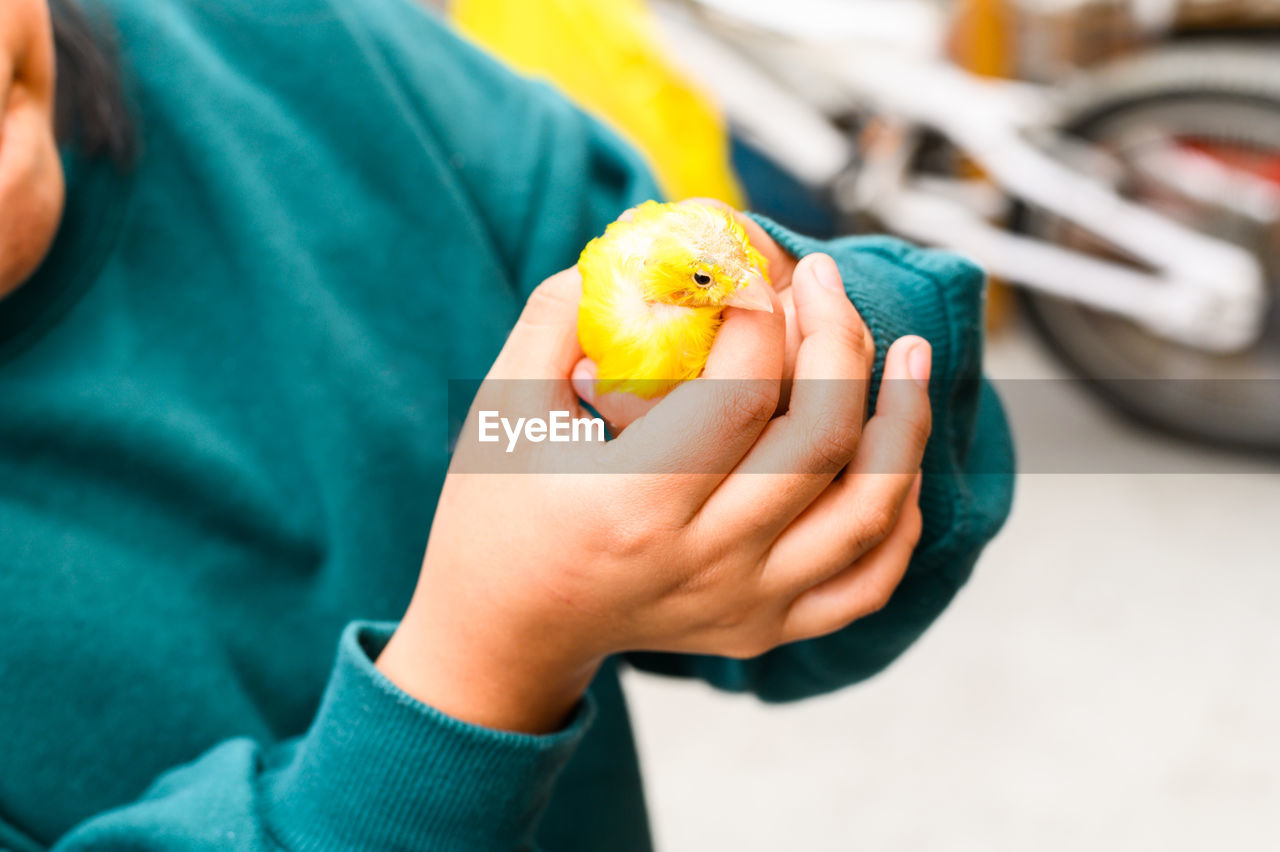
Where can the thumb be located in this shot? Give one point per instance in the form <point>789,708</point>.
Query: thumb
<point>530,377</point>
<point>544,342</point>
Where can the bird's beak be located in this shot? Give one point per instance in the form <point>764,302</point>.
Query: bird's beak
<point>753,295</point>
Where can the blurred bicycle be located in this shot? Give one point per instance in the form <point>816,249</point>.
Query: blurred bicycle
<point>1137,207</point>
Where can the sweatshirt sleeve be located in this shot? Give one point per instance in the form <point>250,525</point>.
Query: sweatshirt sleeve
<point>968,467</point>
<point>377,770</point>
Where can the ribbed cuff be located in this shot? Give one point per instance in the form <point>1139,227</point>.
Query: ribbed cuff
<point>380,770</point>
<point>903,289</point>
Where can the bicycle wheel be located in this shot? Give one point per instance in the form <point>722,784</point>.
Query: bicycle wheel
<point>1221,102</point>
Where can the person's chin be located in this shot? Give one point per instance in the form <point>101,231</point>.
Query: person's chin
<point>31,192</point>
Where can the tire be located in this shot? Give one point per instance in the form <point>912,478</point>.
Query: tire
<point>1225,96</point>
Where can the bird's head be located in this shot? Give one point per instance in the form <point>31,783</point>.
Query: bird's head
<point>703,258</point>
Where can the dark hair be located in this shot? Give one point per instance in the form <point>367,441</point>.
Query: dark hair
<point>91,111</point>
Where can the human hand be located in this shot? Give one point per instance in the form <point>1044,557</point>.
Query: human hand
<point>709,526</point>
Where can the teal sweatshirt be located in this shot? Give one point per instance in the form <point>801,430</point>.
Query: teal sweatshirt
<point>223,417</point>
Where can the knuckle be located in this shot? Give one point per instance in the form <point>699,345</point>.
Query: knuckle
<point>855,336</point>
<point>750,403</point>
<point>697,585</point>
<point>875,524</point>
<point>913,431</point>
<point>755,401</point>
<point>920,428</point>
<point>627,538</point>
<point>832,445</point>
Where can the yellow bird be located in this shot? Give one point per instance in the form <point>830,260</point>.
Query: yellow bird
<point>653,289</point>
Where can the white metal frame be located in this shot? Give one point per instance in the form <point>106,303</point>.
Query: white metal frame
<point>1201,291</point>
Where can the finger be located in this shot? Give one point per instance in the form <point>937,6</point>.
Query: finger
<point>750,345</point>
<point>858,510</point>
<point>706,425</point>
<point>861,589</point>
<point>544,342</point>
<point>799,453</point>
<point>618,409</point>
<point>788,299</point>
<point>530,377</point>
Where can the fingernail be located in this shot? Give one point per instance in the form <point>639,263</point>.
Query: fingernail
<point>584,381</point>
<point>920,362</point>
<point>827,273</point>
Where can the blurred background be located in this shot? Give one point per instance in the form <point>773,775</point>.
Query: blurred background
<point>1108,679</point>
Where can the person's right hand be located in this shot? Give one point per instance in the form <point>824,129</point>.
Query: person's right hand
<point>708,526</point>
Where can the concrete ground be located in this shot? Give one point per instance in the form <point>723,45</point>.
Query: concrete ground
<point>1109,680</point>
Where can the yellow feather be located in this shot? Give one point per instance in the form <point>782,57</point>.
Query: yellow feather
<point>653,289</point>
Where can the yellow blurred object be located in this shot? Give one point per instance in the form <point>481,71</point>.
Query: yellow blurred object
<point>605,55</point>
<point>982,38</point>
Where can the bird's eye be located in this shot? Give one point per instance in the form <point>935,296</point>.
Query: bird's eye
<point>702,279</point>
